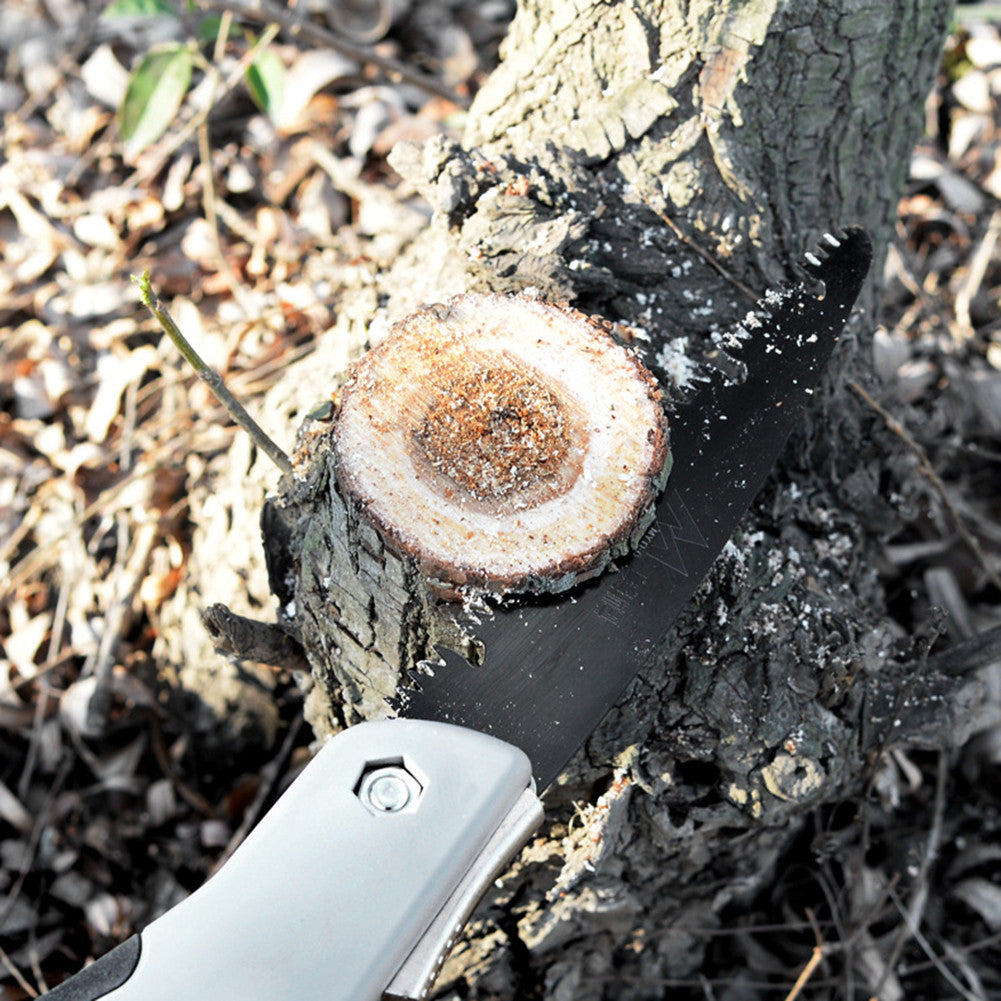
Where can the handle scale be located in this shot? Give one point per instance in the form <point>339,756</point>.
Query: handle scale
<point>353,885</point>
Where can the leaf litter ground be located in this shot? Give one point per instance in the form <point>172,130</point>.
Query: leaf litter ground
<point>115,801</point>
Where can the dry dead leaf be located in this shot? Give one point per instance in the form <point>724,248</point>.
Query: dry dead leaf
<point>14,812</point>
<point>982,896</point>
<point>25,638</point>
<point>105,78</point>
<point>116,371</point>
<point>973,92</point>
<point>309,73</point>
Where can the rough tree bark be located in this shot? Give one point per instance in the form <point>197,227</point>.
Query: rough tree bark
<point>747,129</point>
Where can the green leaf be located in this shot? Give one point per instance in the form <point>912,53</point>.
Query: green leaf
<point>208,29</point>
<point>140,8</point>
<point>266,82</point>
<point>153,97</point>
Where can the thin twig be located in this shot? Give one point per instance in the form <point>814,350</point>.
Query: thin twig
<point>812,963</point>
<point>211,378</point>
<point>988,942</point>
<point>269,13</point>
<point>12,969</point>
<point>42,822</point>
<point>208,185</point>
<point>819,951</point>
<point>936,960</point>
<point>826,881</point>
<point>966,969</point>
<point>269,776</point>
<point>923,302</point>
<point>128,579</point>
<point>926,469</point>
<point>969,655</point>
<point>35,745</point>
<point>982,256</point>
<point>192,797</point>
<point>704,254</point>
<point>914,914</point>
<point>14,540</point>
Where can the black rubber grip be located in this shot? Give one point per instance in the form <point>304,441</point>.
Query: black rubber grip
<point>102,976</point>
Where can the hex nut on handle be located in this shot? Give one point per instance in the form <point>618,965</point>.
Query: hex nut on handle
<point>388,788</point>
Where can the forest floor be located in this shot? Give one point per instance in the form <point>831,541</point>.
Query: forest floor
<point>244,194</point>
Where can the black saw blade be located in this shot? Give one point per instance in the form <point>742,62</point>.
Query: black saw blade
<point>553,668</point>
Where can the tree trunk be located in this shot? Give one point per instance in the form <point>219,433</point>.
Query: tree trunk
<point>650,162</point>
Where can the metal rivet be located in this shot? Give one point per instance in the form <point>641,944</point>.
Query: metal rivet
<point>388,792</point>
<point>388,789</point>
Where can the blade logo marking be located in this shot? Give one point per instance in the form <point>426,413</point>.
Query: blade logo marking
<point>674,525</point>
<point>615,604</point>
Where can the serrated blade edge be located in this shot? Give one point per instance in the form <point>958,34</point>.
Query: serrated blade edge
<point>552,669</point>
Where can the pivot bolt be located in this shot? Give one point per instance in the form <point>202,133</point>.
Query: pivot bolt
<point>388,789</point>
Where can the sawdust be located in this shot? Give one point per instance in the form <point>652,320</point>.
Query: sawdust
<point>496,431</point>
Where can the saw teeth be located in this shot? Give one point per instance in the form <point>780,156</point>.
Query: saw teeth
<point>806,272</point>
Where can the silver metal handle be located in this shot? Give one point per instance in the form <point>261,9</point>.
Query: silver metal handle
<point>355,884</point>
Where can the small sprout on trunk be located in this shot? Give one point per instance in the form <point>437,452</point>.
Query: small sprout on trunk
<point>503,443</point>
<point>209,376</point>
